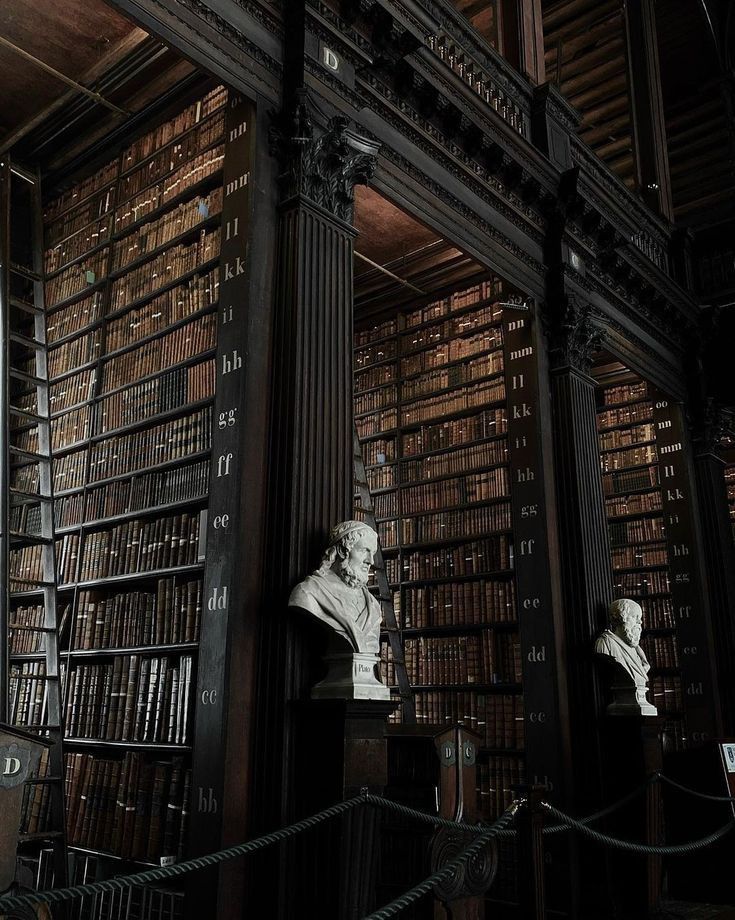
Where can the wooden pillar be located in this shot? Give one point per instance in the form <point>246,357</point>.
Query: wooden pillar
<point>522,37</point>
<point>310,477</point>
<point>649,127</point>
<point>719,556</point>
<point>585,560</point>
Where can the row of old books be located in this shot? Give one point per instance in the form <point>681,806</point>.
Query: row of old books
<point>71,428</point>
<point>635,584</point>
<point>36,808</point>
<point>28,698</point>
<point>135,808</point>
<point>154,316</point>
<point>160,231</point>
<point>479,658</point>
<point>661,651</point>
<point>462,490</point>
<point>457,400</point>
<point>376,354</point>
<point>162,443</point>
<point>145,490</point>
<point>376,399</point>
<point>163,134</point>
<point>379,451</point>
<point>666,695</point>
<point>473,558</point>
<point>164,269</point>
<point>72,390</point>
<point>26,618</point>
<point>131,698</point>
<point>377,422</point>
<point>498,718</point>
<point>26,563</point>
<point>385,505</point>
<point>378,331</point>
<point>627,457</point>
<point>626,415</point>
<point>141,546</point>
<point>495,779</point>
<point>627,392</point>
<point>445,525</point>
<point>459,460</point>
<point>169,615</point>
<point>77,278</point>
<point>639,557</point>
<point>79,192</point>
<point>458,300</point>
<point>642,530</point>
<point>459,603</point>
<point>485,424</point>
<point>163,393</point>
<point>465,371</point>
<point>375,377</point>
<point>633,504</point>
<point>450,352</point>
<point>76,317</point>
<point>658,612</point>
<point>150,199</point>
<point>451,331</point>
<point>630,480</point>
<point>626,437</point>
<point>156,355</point>
<point>77,244</point>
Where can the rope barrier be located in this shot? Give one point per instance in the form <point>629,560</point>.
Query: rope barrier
<point>484,834</point>
<point>423,888</point>
<point>694,792</point>
<point>120,882</point>
<point>631,846</point>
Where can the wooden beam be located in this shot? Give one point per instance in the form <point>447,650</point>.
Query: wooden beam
<point>649,129</point>
<point>611,128</point>
<point>523,37</point>
<point>582,23</point>
<point>593,77</point>
<point>600,92</point>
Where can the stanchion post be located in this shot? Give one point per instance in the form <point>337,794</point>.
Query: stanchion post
<point>530,822</point>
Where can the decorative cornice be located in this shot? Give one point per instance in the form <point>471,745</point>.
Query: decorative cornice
<point>323,165</point>
<point>572,334</point>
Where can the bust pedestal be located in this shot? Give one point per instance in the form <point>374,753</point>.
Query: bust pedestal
<point>339,748</point>
<point>631,752</point>
<point>351,676</point>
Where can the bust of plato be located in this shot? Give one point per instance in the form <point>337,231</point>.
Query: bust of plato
<point>337,592</point>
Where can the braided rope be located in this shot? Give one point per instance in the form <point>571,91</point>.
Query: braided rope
<point>120,882</point>
<point>631,846</point>
<point>694,792</point>
<point>428,884</point>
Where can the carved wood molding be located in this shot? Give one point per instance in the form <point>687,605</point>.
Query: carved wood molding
<point>321,163</point>
<point>572,334</point>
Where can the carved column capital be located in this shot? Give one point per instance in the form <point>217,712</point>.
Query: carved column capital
<point>572,334</point>
<point>712,427</point>
<point>321,161</point>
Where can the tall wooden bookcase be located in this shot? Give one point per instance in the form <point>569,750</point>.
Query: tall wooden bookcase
<point>446,405</point>
<point>650,506</point>
<point>133,300</point>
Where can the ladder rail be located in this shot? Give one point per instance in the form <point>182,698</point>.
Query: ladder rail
<point>386,601</point>
<point>4,451</point>
<point>42,534</point>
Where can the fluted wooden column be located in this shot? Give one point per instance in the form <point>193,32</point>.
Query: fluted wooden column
<point>585,563</point>
<point>719,562</point>
<point>310,474</point>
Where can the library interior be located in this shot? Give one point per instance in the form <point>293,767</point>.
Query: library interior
<point>368,467</point>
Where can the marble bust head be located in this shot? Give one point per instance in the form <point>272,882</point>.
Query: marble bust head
<point>337,592</point>
<point>621,642</point>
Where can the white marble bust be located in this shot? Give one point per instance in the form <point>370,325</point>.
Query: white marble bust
<point>337,592</point>
<point>621,642</point>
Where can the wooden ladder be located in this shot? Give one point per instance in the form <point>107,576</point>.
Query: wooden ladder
<point>32,677</point>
